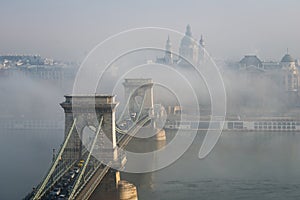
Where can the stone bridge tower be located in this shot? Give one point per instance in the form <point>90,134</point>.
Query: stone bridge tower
<point>88,110</point>
<point>139,92</point>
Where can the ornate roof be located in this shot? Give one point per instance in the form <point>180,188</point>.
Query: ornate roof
<point>187,40</point>
<point>251,60</point>
<point>287,58</point>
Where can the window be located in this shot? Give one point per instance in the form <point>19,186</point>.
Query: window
<point>238,125</point>
<point>230,125</point>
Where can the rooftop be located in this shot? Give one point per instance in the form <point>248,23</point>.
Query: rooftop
<point>287,58</point>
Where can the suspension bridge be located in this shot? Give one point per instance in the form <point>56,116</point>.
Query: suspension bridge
<point>91,151</point>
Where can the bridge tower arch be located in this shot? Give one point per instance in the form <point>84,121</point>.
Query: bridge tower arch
<point>139,95</point>
<point>88,109</point>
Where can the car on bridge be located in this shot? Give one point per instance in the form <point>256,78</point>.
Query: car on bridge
<point>69,188</point>
<point>72,174</point>
<point>76,170</point>
<point>62,196</point>
<point>55,192</point>
<point>123,125</point>
<point>133,115</point>
<point>65,180</point>
<point>65,183</point>
<point>80,164</point>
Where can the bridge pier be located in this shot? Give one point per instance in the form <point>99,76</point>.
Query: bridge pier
<point>86,155</point>
<point>108,189</point>
<point>126,191</point>
<point>135,89</point>
<point>113,188</point>
<point>88,109</point>
<point>160,135</point>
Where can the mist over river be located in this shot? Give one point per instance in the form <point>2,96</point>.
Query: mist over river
<point>243,165</point>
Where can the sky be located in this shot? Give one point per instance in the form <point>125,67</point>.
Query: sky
<point>69,29</point>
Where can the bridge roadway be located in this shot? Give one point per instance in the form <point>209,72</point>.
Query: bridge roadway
<point>94,175</point>
<point>88,188</point>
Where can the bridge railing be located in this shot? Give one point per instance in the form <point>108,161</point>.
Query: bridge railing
<point>122,143</point>
<point>125,139</point>
<point>126,108</point>
<point>58,169</point>
<point>41,190</point>
<point>86,162</point>
<point>138,117</point>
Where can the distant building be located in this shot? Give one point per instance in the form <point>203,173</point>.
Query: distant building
<point>290,74</point>
<point>37,68</point>
<point>24,60</point>
<point>201,50</point>
<point>168,58</point>
<point>188,47</point>
<point>284,73</point>
<point>189,51</point>
<point>251,61</point>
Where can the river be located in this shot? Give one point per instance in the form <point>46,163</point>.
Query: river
<point>243,165</point>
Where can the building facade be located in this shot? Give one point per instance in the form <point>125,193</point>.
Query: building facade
<point>284,74</point>
<point>190,52</point>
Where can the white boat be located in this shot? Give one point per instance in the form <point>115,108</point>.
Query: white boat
<point>239,125</point>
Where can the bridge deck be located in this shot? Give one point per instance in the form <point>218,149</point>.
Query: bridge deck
<point>92,184</point>
<point>95,180</point>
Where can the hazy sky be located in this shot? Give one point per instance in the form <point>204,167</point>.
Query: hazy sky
<point>68,29</point>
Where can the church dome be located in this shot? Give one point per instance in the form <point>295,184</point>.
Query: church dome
<point>287,58</point>
<point>187,39</point>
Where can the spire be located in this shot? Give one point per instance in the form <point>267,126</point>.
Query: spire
<point>168,44</point>
<point>201,42</point>
<point>188,31</point>
<point>168,52</point>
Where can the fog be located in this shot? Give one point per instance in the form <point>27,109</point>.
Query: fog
<point>68,30</point>
<point>23,97</point>
<point>255,94</point>
<point>232,28</point>
<point>26,154</point>
<point>26,157</point>
<point>252,165</point>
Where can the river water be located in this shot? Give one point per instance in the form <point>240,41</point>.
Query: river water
<point>243,165</point>
<point>25,158</point>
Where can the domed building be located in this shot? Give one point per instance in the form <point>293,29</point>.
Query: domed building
<point>168,53</point>
<point>287,58</point>
<point>282,77</point>
<point>251,61</point>
<point>188,47</point>
<point>291,80</point>
<point>201,50</point>
<point>168,57</point>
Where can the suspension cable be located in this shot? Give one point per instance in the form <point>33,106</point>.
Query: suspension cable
<point>87,161</point>
<point>43,185</point>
